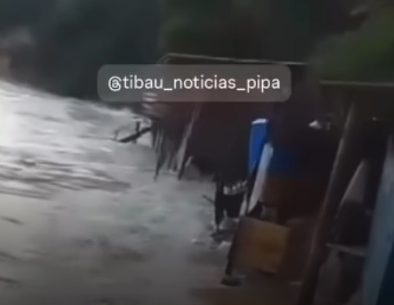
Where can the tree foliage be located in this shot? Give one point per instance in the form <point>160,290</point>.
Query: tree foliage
<point>265,29</point>
<point>74,38</point>
<point>365,54</point>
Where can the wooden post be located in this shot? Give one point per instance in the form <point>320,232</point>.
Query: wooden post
<point>186,140</point>
<point>344,167</point>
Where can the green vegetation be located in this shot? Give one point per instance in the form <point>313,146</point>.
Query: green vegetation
<point>266,29</point>
<point>85,35</point>
<point>365,54</point>
<point>74,38</point>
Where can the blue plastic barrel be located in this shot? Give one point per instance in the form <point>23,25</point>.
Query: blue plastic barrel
<point>258,138</point>
<point>284,162</point>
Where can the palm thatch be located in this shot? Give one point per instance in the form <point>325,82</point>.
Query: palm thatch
<point>211,131</point>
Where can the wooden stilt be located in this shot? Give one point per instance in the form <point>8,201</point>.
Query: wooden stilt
<point>229,278</point>
<point>345,164</point>
<point>186,153</point>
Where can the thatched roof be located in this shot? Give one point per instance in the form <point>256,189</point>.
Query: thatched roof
<point>161,110</point>
<point>354,86</point>
<point>179,58</point>
<point>210,135</point>
<point>376,98</point>
<point>348,89</point>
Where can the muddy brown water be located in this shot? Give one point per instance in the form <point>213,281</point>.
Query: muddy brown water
<point>81,219</point>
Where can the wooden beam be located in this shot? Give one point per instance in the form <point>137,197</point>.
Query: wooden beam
<point>186,153</point>
<point>344,167</point>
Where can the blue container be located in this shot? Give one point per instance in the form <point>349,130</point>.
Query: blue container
<point>258,138</point>
<point>284,162</point>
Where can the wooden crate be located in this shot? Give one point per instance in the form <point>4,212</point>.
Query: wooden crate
<point>297,248</point>
<point>259,245</point>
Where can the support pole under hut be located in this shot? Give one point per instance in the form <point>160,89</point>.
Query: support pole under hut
<point>365,103</point>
